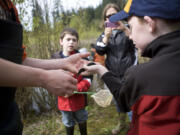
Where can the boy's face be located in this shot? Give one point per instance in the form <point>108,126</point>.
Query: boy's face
<point>69,43</point>
<point>140,33</point>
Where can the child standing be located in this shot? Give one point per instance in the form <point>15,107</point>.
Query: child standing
<point>73,107</point>
<point>151,90</point>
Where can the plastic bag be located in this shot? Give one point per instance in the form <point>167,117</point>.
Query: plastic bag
<point>103,97</point>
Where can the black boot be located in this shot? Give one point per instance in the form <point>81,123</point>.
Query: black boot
<point>83,128</point>
<point>70,130</point>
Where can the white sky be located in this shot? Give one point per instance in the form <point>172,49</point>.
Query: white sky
<point>70,4</point>
<point>75,4</point>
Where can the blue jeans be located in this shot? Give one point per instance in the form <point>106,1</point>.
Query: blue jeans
<point>70,119</point>
<point>130,115</point>
<point>118,110</point>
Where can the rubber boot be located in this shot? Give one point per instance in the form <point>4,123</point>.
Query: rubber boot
<point>121,124</point>
<point>83,128</point>
<point>70,130</point>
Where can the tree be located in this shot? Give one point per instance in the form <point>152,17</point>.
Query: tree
<point>88,15</point>
<point>57,10</point>
<point>18,1</point>
<point>37,14</point>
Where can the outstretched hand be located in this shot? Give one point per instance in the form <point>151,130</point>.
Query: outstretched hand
<point>94,69</point>
<point>75,62</point>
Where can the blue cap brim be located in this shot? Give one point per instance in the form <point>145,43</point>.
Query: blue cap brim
<point>122,15</point>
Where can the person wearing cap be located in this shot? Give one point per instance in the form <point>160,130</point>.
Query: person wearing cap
<point>152,89</point>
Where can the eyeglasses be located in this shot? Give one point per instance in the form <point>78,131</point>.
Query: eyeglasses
<point>108,16</point>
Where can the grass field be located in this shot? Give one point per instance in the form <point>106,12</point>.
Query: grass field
<point>100,122</point>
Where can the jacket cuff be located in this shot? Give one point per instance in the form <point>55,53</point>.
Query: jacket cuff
<point>106,76</point>
<point>101,44</point>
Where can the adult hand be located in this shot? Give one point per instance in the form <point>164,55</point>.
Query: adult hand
<point>74,62</point>
<point>107,34</point>
<point>59,82</point>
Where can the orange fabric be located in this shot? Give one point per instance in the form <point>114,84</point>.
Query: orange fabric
<point>10,5</point>
<point>24,53</point>
<point>98,58</point>
<point>3,5</point>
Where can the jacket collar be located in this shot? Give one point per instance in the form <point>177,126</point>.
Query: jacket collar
<point>163,44</point>
<point>63,56</point>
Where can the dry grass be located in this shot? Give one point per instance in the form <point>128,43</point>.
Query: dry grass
<point>100,122</point>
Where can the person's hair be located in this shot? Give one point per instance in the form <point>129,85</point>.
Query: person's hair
<point>172,24</point>
<point>108,6</point>
<point>92,45</point>
<point>69,31</point>
<point>140,19</point>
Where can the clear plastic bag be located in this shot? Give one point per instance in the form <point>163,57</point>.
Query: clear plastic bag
<point>103,97</point>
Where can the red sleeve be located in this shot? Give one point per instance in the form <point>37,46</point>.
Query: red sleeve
<point>83,86</point>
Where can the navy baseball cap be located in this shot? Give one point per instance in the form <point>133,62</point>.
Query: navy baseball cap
<point>166,9</point>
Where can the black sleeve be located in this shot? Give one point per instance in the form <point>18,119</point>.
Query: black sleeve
<point>101,50</point>
<point>122,89</point>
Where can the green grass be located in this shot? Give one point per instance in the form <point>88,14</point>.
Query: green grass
<point>100,122</point>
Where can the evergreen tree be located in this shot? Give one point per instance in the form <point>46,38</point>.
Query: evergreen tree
<point>37,14</point>
<point>57,10</point>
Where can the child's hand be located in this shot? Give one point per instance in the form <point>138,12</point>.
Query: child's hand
<point>74,62</point>
<point>94,69</point>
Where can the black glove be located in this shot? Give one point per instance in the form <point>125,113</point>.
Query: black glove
<point>82,69</point>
